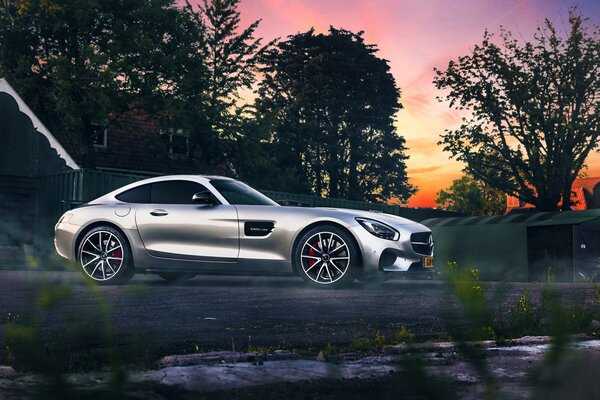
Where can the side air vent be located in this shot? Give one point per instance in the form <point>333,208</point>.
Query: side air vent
<point>258,228</point>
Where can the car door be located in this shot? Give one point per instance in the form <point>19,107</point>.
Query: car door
<point>172,227</point>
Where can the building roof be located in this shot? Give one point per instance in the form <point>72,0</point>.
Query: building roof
<point>573,217</point>
<point>134,144</point>
<point>38,125</point>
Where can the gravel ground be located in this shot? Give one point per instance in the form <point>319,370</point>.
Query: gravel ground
<point>150,319</point>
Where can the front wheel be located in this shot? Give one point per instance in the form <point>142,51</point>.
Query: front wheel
<point>327,256</point>
<point>104,256</point>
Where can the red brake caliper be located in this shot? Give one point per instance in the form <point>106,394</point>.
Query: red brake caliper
<point>311,261</point>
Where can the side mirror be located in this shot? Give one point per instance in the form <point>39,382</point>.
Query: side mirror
<point>204,197</point>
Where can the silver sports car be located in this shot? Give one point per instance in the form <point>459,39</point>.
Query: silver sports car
<point>180,226</point>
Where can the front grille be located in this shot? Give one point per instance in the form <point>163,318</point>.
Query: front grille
<point>422,243</point>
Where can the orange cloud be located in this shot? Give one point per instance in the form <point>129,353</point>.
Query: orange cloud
<point>425,170</point>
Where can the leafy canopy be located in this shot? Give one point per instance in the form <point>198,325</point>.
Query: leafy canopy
<point>471,197</point>
<point>80,63</point>
<point>534,110</point>
<point>230,54</point>
<point>330,105</point>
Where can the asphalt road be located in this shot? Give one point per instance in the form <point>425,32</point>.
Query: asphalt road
<point>148,318</point>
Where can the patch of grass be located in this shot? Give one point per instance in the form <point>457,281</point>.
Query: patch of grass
<point>524,318</point>
<point>379,339</point>
<point>368,344</point>
<point>404,335</point>
<point>260,349</point>
<point>329,349</point>
<point>362,344</point>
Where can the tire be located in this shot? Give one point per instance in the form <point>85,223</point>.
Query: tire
<point>173,277</point>
<point>105,257</point>
<point>335,267</point>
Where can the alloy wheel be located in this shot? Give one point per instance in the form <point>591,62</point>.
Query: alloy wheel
<point>325,258</point>
<point>101,255</point>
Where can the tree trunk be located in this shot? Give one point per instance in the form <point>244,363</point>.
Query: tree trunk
<point>566,195</point>
<point>547,203</point>
<point>353,189</point>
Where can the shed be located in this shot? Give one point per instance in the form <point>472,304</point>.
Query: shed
<point>563,246</point>
<point>28,151</point>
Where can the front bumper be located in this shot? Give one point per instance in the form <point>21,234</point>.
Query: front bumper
<point>64,236</point>
<point>380,255</point>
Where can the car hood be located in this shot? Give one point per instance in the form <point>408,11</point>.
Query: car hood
<point>387,218</point>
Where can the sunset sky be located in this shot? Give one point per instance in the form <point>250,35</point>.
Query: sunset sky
<point>416,36</point>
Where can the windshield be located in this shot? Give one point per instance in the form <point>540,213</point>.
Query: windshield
<point>238,193</point>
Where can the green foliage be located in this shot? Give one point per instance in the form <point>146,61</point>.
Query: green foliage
<point>566,319</point>
<point>367,344</point>
<point>226,56</point>
<point>487,333</point>
<point>404,335</point>
<point>363,344</point>
<point>471,197</point>
<point>464,284</point>
<point>379,339</point>
<point>329,103</point>
<point>329,349</point>
<point>534,110</point>
<point>255,161</point>
<point>525,317</point>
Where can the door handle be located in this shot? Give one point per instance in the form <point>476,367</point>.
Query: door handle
<point>159,213</point>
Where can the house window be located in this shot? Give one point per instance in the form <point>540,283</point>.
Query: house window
<point>177,141</point>
<point>100,139</point>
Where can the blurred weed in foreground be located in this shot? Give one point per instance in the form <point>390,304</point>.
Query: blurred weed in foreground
<point>29,349</point>
<point>465,286</point>
<point>547,316</point>
<point>524,318</point>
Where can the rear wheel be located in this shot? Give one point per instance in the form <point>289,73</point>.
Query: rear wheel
<point>104,256</point>
<point>173,277</point>
<point>327,256</point>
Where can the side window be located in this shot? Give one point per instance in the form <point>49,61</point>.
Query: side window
<point>174,192</point>
<point>140,194</point>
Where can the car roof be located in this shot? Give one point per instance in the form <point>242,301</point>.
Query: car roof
<point>195,178</point>
<point>192,176</point>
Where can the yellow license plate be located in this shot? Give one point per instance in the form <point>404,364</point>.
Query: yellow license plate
<point>428,262</point>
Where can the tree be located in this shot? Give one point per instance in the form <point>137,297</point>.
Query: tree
<point>330,104</point>
<point>231,57</point>
<point>471,197</point>
<point>534,111</point>
<point>81,63</point>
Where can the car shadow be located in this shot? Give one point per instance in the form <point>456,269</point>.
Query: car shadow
<point>283,283</point>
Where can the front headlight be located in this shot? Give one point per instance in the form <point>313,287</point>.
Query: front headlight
<point>379,229</point>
